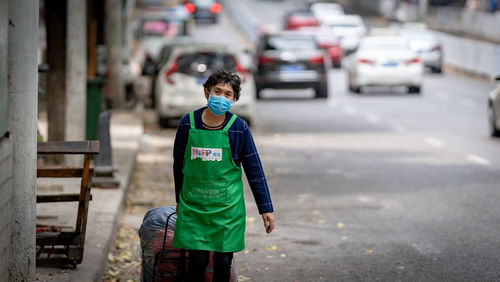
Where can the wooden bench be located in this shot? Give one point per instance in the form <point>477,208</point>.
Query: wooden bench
<point>63,246</point>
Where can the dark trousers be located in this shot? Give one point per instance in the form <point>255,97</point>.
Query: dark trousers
<point>198,261</point>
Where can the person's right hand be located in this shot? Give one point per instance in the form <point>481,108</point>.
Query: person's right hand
<point>268,219</point>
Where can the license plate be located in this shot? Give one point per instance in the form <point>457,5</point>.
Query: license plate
<point>200,80</point>
<point>390,64</point>
<point>291,68</point>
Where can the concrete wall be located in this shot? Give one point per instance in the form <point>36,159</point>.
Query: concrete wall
<point>5,186</point>
<point>5,151</point>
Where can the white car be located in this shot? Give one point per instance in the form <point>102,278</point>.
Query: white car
<point>494,108</point>
<point>349,28</point>
<point>427,46</point>
<point>384,61</point>
<point>179,85</point>
<point>323,10</point>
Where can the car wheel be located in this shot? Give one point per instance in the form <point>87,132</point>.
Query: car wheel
<point>494,131</point>
<point>322,91</point>
<point>257,94</point>
<point>356,90</point>
<point>164,122</point>
<point>437,70</point>
<point>414,89</point>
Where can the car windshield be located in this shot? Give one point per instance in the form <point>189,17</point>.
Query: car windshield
<point>291,43</point>
<point>205,63</point>
<point>383,45</point>
<point>301,14</point>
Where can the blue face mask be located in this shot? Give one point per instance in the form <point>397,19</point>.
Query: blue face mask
<point>219,105</point>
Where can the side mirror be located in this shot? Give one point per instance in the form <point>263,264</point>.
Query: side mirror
<point>495,77</point>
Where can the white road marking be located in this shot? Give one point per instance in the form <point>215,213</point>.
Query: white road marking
<point>478,160</point>
<point>433,142</point>
<point>467,102</point>
<point>443,95</point>
<point>350,110</point>
<point>425,249</point>
<point>372,118</point>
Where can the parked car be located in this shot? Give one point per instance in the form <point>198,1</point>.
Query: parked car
<point>203,10</point>
<point>299,18</point>
<point>349,28</point>
<point>179,84</point>
<point>291,60</point>
<point>494,108</point>
<point>427,46</point>
<point>323,10</point>
<point>385,60</point>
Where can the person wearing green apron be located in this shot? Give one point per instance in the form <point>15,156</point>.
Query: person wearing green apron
<point>211,144</point>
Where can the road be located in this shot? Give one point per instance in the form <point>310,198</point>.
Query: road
<point>383,186</point>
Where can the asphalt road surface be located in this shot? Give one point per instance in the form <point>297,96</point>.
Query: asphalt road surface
<point>383,186</point>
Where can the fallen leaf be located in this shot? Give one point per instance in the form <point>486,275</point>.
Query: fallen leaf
<point>271,248</point>
<point>111,258</point>
<point>269,257</point>
<point>283,255</point>
<point>340,225</point>
<point>113,273</point>
<point>369,251</point>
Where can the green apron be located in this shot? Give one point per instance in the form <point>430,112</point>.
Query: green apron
<point>211,213</point>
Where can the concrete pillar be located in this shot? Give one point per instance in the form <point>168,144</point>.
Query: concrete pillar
<point>113,40</point>
<point>76,70</point>
<point>22,91</point>
<point>422,10</point>
<point>76,75</point>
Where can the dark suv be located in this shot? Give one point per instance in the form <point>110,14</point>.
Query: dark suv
<point>289,60</point>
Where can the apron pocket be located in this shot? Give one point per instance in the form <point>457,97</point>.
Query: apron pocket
<point>205,192</point>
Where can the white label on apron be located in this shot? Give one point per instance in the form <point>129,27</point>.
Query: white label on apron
<point>206,154</point>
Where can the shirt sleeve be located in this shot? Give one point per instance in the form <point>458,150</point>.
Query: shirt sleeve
<point>255,173</point>
<point>180,144</point>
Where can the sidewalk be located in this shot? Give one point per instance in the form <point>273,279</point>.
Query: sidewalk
<point>126,131</point>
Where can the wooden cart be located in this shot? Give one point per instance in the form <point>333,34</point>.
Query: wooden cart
<point>63,246</point>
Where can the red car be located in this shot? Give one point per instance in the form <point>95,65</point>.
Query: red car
<point>328,41</point>
<point>299,19</point>
<point>331,44</point>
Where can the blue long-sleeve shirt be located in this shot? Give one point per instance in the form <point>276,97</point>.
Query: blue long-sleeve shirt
<point>243,151</point>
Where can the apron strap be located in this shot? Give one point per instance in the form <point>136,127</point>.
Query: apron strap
<point>230,122</point>
<point>191,120</point>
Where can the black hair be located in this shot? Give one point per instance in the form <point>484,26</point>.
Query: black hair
<point>224,77</point>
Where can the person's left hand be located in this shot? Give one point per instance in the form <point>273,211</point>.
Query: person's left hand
<point>268,219</point>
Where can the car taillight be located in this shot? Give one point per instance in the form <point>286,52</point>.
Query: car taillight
<point>366,61</point>
<point>190,8</point>
<point>242,70</point>
<point>318,60</point>
<point>265,60</point>
<point>170,71</point>
<point>413,61</point>
<point>215,8</point>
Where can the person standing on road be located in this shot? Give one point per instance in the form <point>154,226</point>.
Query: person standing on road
<point>210,146</point>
